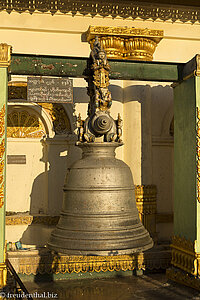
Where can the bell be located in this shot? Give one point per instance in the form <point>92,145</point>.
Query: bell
<point>99,214</point>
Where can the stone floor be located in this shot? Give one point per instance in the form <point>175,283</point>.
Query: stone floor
<point>152,286</point>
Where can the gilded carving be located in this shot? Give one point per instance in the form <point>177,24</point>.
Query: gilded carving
<point>5,55</point>
<point>183,278</point>
<point>126,31</point>
<point>132,10</point>
<point>2,168</point>
<point>2,121</point>
<point>99,123</point>
<point>145,196</point>
<point>59,117</point>
<point>198,153</point>
<point>125,42</point>
<point>2,195</point>
<point>20,124</point>
<point>184,255</point>
<point>2,149</point>
<point>46,262</point>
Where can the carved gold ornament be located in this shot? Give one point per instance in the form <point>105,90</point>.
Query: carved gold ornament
<point>1,167</point>
<point>184,255</point>
<point>145,196</point>
<point>124,9</point>
<point>183,278</point>
<point>198,153</point>
<point>2,195</point>
<point>59,117</point>
<point>46,262</point>
<point>21,124</point>
<point>2,121</point>
<point>5,55</point>
<point>2,149</point>
<point>186,262</point>
<point>125,42</point>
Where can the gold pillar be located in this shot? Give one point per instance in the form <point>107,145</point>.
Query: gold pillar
<point>126,43</point>
<point>145,196</point>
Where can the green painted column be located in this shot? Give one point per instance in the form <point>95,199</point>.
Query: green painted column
<point>186,239</point>
<point>185,203</point>
<point>5,58</point>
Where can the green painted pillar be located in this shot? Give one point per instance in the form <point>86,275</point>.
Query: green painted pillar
<point>5,58</point>
<point>186,239</point>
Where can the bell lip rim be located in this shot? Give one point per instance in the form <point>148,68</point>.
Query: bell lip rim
<point>77,252</point>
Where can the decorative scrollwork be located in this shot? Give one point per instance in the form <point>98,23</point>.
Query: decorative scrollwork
<point>2,195</point>
<point>2,149</point>
<point>126,42</point>
<point>103,8</point>
<point>184,255</point>
<point>23,125</point>
<point>2,121</point>
<point>61,123</point>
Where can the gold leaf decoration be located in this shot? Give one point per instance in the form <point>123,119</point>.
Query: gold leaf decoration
<point>1,195</point>
<point>184,255</point>
<point>21,124</point>
<point>2,121</point>
<point>2,149</point>
<point>126,42</point>
<point>1,167</point>
<point>59,117</point>
<point>5,55</point>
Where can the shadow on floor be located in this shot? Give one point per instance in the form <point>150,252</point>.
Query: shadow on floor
<point>151,286</point>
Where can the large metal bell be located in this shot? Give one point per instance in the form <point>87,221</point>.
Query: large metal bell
<point>99,214</point>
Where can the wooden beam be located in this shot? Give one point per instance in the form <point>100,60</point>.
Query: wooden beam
<point>41,65</point>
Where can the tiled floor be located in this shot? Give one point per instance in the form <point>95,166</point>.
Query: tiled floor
<point>153,286</point>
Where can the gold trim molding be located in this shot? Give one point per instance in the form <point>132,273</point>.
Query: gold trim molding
<point>146,196</point>
<point>5,55</point>
<point>184,255</point>
<point>2,153</point>
<point>126,42</point>
<point>123,9</point>
<point>44,262</point>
